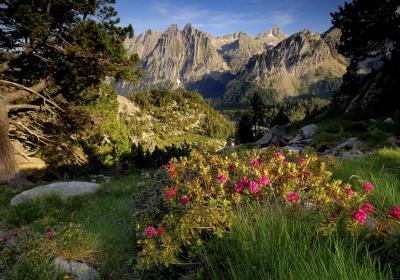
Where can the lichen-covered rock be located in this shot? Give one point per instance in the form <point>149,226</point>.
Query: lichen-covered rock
<point>62,189</point>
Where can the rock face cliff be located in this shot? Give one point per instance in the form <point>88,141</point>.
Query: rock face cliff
<point>234,65</point>
<point>194,59</point>
<point>304,63</point>
<point>180,57</point>
<point>238,48</point>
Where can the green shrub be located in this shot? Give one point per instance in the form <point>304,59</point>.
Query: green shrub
<point>195,199</point>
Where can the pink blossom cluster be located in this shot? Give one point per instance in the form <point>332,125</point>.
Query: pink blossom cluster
<point>152,231</point>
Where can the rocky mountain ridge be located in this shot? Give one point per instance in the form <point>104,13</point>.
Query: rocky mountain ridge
<point>231,65</point>
<point>304,63</point>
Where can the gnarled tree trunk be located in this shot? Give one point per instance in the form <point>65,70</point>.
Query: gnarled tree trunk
<point>8,166</point>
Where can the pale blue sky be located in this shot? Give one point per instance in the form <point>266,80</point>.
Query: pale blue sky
<point>220,17</point>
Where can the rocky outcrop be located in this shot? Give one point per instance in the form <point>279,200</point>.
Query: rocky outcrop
<point>61,189</point>
<point>300,64</point>
<point>143,44</point>
<point>231,65</point>
<point>238,48</point>
<point>182,56</point>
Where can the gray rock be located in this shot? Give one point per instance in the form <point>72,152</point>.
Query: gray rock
<point>388,121</point>
<point>275,136</point>
<point>79,270</point>
<point>348,144</point>
<point>296,139</point>
<point>372,121</point>
<point>306,141</point>
<point>308,131</point>
<point>62,189</point>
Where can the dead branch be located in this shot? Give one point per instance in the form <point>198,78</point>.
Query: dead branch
<point>19,94</point>
<point>41,138</point>
<point>31,90</point>
<point>18,107</point>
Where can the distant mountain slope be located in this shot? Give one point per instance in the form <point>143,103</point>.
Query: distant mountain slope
<point>304,63</point>
<point>194,59</point>
<point>232,66</point>
<point>238,48</point>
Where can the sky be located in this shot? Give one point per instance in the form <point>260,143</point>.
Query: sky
<point>220,17</point>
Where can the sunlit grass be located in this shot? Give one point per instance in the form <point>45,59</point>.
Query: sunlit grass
<point>269,243</point>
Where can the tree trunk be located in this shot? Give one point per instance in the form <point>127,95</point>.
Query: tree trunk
<point>8,166</point>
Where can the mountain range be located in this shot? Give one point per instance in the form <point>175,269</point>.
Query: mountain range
<point>230,67</point>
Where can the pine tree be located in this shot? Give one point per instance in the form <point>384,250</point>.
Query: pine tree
<point>51,48</point>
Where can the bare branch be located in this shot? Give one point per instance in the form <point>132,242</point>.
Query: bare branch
<point>18,107</point>
<point>41,138</point>
<point>31,90</point>
<point>41,85</point>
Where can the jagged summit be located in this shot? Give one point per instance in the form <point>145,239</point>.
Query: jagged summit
<point>198,60</point>
<point>300,64</point>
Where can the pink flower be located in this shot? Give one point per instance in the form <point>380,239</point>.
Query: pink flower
<point>278,154</point>
<point>15,233</point>
<point>368,186</point>
<point>172,172</point>
<point>169,166</point>
<point>293,197</point>
<point>185,200</point>
<point>368,208</point>
<point>244,181</point>
<point>330,219</point>
<point>50,234</point>
<point>238,188</point>
<point>253,186</point>
<point>222,178</point>
<point>170,192</point>
<point>1,253</point>
<point>359,216</point>
<point>151,231</point>
<point>263,181</point>
<point>300,160</point>
<point>255,162</point>
<point>348,190</point>
<point>271,145</point>
<point>395,212</point>
<point>285,161</point>
<point>161,230</point>
<point>308,173</point>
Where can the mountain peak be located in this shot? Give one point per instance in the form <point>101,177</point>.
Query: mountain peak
<point>173,28</point>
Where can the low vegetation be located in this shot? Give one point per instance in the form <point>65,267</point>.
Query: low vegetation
<point>197,199</point>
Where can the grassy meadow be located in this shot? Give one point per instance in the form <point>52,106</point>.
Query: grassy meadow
<point>266,241</point>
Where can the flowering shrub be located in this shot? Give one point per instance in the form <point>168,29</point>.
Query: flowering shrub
<point>194,198</point>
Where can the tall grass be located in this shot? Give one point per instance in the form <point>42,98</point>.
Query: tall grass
<point>270,243</point>
<point>382,168</point>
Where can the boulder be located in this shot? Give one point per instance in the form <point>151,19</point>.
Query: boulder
<point>275,136</point>
<point>296,139</point>
<point>308,131</point>
<point>78,270</point>
<point>350,143</point>
<point>62,189</point>
<point>388,121</point>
